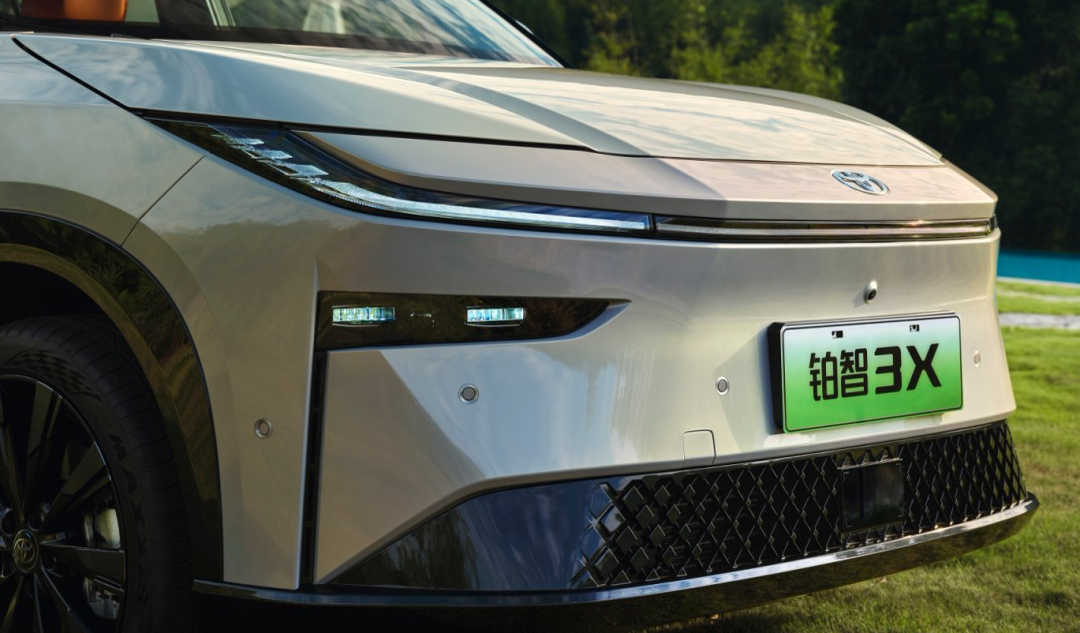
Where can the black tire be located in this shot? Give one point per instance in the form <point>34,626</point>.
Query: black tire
<point>87,364</point>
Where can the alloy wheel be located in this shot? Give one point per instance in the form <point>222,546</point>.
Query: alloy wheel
<point>62,562</point>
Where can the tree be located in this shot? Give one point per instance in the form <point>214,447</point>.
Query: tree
<point>783,44</point>
<point>613,48</point>
<point>545,17</point>
<point>801,57</point>
<point>992,84</point>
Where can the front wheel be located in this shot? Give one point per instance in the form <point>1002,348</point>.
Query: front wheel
<point>92,533</point>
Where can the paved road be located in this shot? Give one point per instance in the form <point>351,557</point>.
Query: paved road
<point>1040,321</point>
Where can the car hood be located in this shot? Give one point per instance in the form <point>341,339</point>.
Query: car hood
<point>417,95</point>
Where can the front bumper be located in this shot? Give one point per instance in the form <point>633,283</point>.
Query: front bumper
<point>632,551</point>
<point>370,443</point>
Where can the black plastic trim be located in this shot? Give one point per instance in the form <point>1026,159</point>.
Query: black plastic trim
<point>653,529</point>
<point>614,609</point>
<point>158,117</point>
<point>313,469</point>
<point>155,331</point>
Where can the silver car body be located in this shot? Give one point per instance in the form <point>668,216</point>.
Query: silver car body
<point>244,260</point>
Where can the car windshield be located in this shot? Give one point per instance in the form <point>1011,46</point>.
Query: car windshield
<point>459,28</point>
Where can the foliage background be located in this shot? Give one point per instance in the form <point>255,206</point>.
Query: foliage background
<point>992,84</point>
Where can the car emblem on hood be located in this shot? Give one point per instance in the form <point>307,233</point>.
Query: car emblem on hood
<point>861,182</point>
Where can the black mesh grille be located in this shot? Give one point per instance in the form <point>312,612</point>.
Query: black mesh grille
<point>711,521</point>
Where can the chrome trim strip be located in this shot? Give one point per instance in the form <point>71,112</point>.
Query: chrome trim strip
<point>743,230</point>
<point>331,596</point>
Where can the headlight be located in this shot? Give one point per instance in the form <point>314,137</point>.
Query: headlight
<point>289,160</point>
<point>347,320</point>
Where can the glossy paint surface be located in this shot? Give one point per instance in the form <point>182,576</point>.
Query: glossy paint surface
<point>244,260</point>
<point>499,102</point>
<point>209,80</point>
<point>76,176</point>
<point>71,154</point>
<point>707,189</point>
<point>653,117</point>
<point>617,399</point>
<point>565,408</point>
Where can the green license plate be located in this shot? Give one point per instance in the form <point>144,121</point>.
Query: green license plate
<point>836,374</point>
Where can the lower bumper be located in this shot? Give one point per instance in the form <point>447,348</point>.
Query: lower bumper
<point>640,550</point>
<point>634,606</point>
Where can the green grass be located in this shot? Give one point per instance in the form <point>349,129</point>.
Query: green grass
<point>1048,289</point>
<point>1028,583</point>
<point>1036,298</point>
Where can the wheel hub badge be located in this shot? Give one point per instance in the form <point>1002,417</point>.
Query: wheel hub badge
<point>25,551</point>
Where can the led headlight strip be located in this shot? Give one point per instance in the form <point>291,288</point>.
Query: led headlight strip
<point>289,160</point>
<point>352,319</point>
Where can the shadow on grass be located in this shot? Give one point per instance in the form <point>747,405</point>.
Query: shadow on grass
<point>319,621</point>
<point>751,621</point>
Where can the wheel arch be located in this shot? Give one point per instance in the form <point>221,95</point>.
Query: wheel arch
<point>59,268</point>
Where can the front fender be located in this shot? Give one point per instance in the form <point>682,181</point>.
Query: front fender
<point>149,321</point>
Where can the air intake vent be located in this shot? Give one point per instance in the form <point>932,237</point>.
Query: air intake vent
<point>637,530</point>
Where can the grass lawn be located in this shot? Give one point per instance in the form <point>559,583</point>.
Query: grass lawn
<point>1028,583</point>
<point>1036,298</point>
